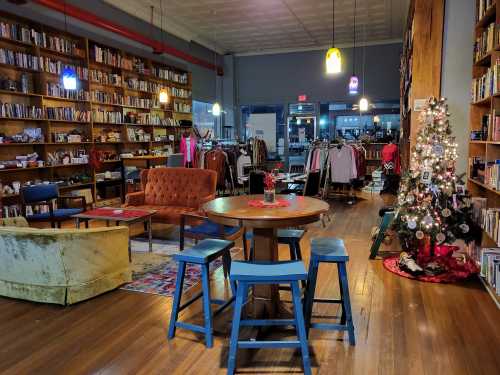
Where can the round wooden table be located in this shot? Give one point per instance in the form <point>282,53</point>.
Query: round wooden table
<point>264,222</point>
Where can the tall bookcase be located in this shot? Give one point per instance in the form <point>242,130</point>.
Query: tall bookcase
<point>115,108</point>
<point>484,148</point>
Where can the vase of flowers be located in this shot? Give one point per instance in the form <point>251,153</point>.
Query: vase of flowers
<point>269,188</point>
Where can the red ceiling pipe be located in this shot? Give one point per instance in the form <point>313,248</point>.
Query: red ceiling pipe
<point>95,20</point>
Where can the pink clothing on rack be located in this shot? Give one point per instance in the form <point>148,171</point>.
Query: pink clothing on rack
<point>192,150</point>
<point>342,164</point>
<point>315,163</point>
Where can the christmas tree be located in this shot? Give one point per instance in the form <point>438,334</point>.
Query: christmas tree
<point>432,204</point>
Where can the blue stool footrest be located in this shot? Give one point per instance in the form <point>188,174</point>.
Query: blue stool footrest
<point>268,344</point>
<point>191,327</point>
<point>267,322</point>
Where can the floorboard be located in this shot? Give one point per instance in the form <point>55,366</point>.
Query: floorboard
<point>402,326</point>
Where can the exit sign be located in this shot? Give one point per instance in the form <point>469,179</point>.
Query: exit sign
<point>302,98</point>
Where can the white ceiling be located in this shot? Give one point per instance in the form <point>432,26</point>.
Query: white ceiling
<point>264,26</point>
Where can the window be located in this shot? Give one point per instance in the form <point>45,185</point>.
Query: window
<point>202,118</point>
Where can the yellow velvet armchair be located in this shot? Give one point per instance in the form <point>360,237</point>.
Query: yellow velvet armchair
<point>61,266</point>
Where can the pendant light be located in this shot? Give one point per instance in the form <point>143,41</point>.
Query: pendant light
<point>354,81</point>
<point>163,94</point>
<point>68,76</point>
<point>333,59</point>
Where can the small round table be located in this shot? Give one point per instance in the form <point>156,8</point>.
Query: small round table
<point>265,222</point>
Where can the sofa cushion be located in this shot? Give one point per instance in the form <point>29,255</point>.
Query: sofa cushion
<point>178,187</point>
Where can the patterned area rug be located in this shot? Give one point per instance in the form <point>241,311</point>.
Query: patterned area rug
<point>155,273</point>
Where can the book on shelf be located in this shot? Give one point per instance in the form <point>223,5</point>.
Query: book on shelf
<point>482,7</point>
<point>490,267</point>
<point>105,78</point>
<point>113,117</point>
<point>486,42</point>
<point>486,85</point>
<point>18,110</point>
<point>67,114</point>
<point>492,175</point>
<point>58,90</point>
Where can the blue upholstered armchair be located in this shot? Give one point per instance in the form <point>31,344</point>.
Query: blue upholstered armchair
<point>48,194</point>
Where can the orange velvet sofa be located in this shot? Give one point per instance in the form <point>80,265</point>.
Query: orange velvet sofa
<point>173,192</point>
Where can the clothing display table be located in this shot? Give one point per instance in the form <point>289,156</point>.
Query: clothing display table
<point>125,216</point>
<point>264,222</point>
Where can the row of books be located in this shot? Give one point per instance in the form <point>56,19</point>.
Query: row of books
<point>56,67</point>
<point>492,175</point>
<point>113,117</point>
<point>490,223</point>
<point>145,103</point>
<point>67,114</point>
<point>490,267</point>
<point>486,42</point>
<point>141,85</point>
<point>56,89</point>
<point>482,8</point>
<point>110,57</point>
<point>182,107</point>
<point>486,85</point>
<point>38,63</point>
<point>170,75</point>
<point>17,110</point>
<point>180,93</point>
<point>28,35</point>
<point>140,66</point>
<point>98,76</point>
<point>106,97</point>
<point>495,130</point>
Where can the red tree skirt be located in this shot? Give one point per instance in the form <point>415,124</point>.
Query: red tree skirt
<point>456,271</point>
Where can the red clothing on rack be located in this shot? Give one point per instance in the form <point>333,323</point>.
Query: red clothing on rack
<point>390,154</point>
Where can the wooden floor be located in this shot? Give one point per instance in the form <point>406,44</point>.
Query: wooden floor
<point>402,326</point>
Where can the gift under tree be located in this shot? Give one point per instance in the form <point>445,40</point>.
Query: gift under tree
<point>432,206</point>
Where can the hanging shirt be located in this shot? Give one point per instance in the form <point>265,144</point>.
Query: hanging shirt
<point>188,147</point>
<point>243,160</point>
<point>342,164</point>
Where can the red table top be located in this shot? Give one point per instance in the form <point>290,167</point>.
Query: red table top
<point>115,213</point>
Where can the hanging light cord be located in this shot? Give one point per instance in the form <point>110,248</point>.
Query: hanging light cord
<point>354,43</point>
<point>333,23</point>
<point>65,18</point>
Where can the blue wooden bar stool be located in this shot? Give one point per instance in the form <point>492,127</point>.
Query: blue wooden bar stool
<point>246,274</point>
<point>329,250</point>
<point>203,253</point>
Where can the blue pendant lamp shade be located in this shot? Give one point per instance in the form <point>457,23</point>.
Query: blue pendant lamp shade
<point>69,78</point>
<point>333,59</point>
<point>353,85</point>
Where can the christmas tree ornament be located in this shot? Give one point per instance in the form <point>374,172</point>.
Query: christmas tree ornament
<point>412,224</point>
<point>410,198</point>
<point>464,227</point>
<point>427,220</point>
<point>446,212</point>
<point>419,234</point>
<point>440,237</point>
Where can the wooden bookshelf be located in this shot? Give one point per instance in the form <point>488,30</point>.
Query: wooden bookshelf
<point>111,81</point>
<point>487,149</point>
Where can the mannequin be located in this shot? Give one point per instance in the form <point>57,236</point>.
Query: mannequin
<point>391,166</point>
<point>188,148</point>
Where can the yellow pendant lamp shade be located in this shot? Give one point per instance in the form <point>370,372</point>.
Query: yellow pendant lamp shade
<point>333,61</point>
<point>163,96</point>
<point>216,109</point>
<point>363,104</point>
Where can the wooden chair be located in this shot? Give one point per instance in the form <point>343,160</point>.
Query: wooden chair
<point>48,194</point>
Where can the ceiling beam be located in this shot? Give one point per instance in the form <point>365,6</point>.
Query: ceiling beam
<point>93,19</point>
